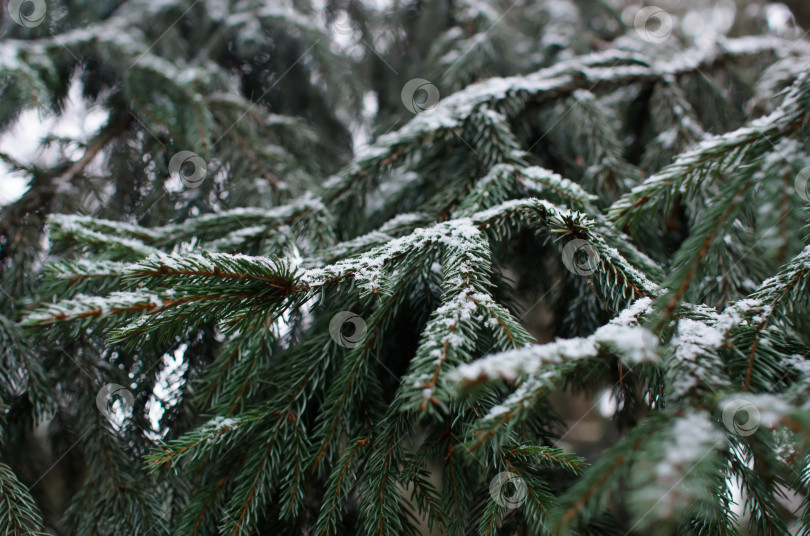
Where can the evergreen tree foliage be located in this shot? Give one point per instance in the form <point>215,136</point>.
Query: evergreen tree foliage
<point>290,284</point>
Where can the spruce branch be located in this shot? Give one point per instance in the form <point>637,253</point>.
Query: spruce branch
<point>536,369</point>
<point>450,336</point>
<point>698,168</point>
<point>18,511</point>
<point>217,303</point>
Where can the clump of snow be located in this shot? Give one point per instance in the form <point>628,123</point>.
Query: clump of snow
<point>630,342</point>
<point>621,336</point>
<point>220,423</point>
<point>692,439</point>
<point>768,410</point>
<point>695,345</point>
<point>694,338</point>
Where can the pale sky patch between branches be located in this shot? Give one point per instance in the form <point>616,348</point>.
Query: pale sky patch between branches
<point>23,141</point>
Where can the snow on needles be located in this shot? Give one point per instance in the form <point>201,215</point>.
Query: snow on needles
<point>622,336</point>
<point>368,269</point>
<point>695,360</point>
<point>692,439</point>
<point>83,306</point>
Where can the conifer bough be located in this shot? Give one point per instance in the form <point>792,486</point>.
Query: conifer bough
<point>302,341</point>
